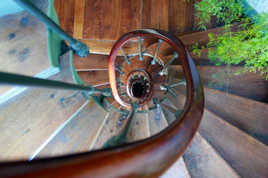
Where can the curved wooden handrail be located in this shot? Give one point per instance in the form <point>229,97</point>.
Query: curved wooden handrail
<point>146,158</point>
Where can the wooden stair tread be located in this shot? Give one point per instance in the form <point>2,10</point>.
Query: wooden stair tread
<point>203,161</point>
<point>201,37</point>
<point>178,169</point>
<point>157,121</point>
<point>243,153</point>
<point>23,48</point>
<point>112,127</point>
<point>91,62</point>
<point>169,114</point>
<point>249,85</point>
<point>246,114</point>
<point>28,120</point>
<point>140,127</point>
<point>95,78</point>
<point>79,135</point>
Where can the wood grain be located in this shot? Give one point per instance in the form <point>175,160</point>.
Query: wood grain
<point>203,161</point>
<point>93,61</point>
<point>181,16</point>
<point>247,115</point>
<point>114,124</point>
<point>244,153</point>
<point>28,120</point>
<point>79,135</point>
<point>94,78</point>
<point>139,128</point>
<point>105,21</point>
<point>79,13</point>
<point>65,10</point>
<point>224,78</point>
<point>178,169</point>
<point>157,121</point>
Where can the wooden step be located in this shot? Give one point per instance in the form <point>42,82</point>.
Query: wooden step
<point>114,124</point>
<point>201,38</point>
<point>95,78</point>
<point>169,113</point>
<point>178,169</point>
<point>157,121</point>
<point>203,161</point>
<point>243,153</point>
<point>249,85</point>
<point>79,134</point>
<point>91,62</point>
<point>140,127</point>
<point>23,47</point>
<point>247,115</point>
<point>29,120</point>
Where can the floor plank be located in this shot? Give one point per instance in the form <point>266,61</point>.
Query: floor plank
<point>112,127</point>
<point>23,47</point>
<point>94,78</point>
<point>157,121</point>
<point>178,169</point>
<point>243,153</point>
<point>140,128</point>
<point>247,115</point>
<point>93,61</point>
<point>79,135</point>
<point>28,120</point>
<point>104,22</point>
<point>224,78</point>
<point>203,161</point>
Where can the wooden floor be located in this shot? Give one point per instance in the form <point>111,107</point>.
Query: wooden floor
<point>108,20</point>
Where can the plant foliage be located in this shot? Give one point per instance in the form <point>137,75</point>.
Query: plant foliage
<point>225,11</point>
<point>248,47</point>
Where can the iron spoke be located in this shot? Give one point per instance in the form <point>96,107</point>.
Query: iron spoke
<point>156,51</point>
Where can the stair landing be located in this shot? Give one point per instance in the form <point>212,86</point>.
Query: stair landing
<point>100,23</point>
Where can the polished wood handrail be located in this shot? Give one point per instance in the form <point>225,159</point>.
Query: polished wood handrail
<point>146,158</point>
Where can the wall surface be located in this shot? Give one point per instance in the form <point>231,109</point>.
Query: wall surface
<point>8,7</point>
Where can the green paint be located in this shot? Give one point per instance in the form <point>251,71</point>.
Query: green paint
<point>53,40</point>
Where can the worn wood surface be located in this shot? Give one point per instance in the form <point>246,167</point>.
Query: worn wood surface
<point>224,78</point>
<point>140,128</point>
<point>203,161</point>
<point>92,62</point>
<point>247,115</point>
<point>157,121</point>
<point>95,78</point>
<point>23,47</point>
<point>105,20</point>
<point>112,127</point>
<point>28,120</point>
<point>246,155</point>
<point>78,135</point>
<point>178,169</point>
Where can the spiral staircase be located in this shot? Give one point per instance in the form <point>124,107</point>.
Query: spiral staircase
<point>148,127</point>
